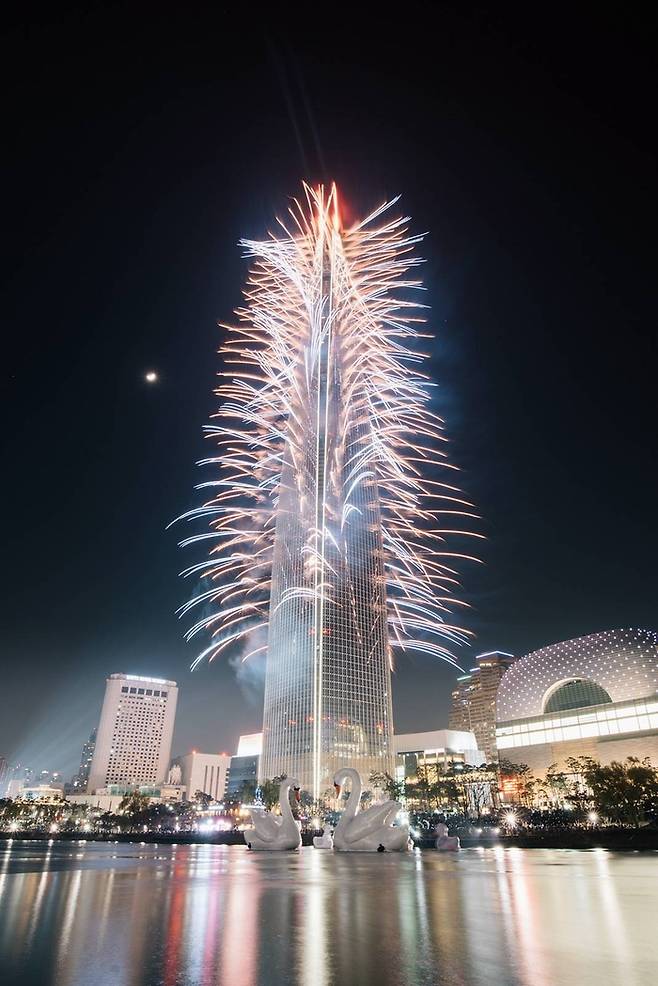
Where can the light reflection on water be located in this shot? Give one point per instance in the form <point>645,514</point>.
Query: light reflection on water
<point>127,915</point>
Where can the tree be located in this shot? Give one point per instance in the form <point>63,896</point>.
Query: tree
<point>625,792</point>
<point>247,792</point>
<point>394,789</point>
<point>203,799</point>
<point>424,791</point>
<point>366,799</point>
<point>517,782</point>
<point>133,804</point>
<point>269,791</point>
<point>556,786</point>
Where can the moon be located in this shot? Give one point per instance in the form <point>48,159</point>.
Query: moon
<point>151,376</point>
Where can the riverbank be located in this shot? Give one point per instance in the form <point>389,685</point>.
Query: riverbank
<point>619,840</point>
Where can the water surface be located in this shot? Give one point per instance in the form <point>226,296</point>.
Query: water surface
<point>137,915</point>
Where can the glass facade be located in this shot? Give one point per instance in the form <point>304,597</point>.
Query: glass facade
<point>327,688</point>
<point>243,770</point>
<point>432,761</point>
<point>611,719</point>
<point>576,694</point>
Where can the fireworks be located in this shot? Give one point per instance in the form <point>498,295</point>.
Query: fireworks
<point>325,417</point>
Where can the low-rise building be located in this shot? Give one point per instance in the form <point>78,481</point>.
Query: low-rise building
<point>204,773</point>
<point>244,765</point>
<point>40,792</point>
<point>110,797</point>
<point>439,748</point>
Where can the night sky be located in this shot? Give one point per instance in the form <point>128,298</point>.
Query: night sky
<point>140,144</point>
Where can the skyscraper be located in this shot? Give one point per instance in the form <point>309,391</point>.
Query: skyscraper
<point>79,783</point>
<point>474,700</point>
<point>133,742</point>
<point>326,515</point>
<point>328,686</point>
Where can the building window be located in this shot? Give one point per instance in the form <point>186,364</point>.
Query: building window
<point>579,693</point>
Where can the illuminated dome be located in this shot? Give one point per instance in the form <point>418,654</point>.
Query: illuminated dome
<point>613,666</point>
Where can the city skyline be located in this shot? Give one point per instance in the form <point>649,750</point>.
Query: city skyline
<point>473,708</point>
<point>531,176</point>
<point>329,376</point>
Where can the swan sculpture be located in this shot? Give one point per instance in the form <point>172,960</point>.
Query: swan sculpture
<point>324,841</point>
<point>445,842</point>
<point>371,830</point>
<point>276,831</point>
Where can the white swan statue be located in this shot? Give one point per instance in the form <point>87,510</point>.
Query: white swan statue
<point>324,841</point>
<point>445,842</point>
<point>371,830</point>
<point>276,831</point>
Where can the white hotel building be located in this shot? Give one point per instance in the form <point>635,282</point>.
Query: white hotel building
<point>133,742</point>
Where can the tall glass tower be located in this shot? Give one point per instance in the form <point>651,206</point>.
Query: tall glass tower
<point>329,490</point>
<point>327,687</point>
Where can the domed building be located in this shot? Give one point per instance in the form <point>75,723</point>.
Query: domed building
<point>593,696</point>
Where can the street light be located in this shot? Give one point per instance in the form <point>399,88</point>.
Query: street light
<point>510,819</point>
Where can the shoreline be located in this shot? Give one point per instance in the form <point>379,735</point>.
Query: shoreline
<point>618,840</point>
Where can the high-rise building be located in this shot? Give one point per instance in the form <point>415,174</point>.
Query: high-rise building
<point>133,740</point>
<point>4,775</point>
<point>474,700</point>
<point>328,684</point>
<point>78,784</point>
<point>326,527</point>
<point>204,773</point>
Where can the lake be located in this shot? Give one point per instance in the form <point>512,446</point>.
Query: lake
<point>77,914</point>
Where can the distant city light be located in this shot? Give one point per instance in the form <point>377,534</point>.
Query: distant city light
<point>592,817</point>
<point>510,819</point>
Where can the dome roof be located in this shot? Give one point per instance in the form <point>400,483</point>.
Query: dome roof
<point>623,663</point>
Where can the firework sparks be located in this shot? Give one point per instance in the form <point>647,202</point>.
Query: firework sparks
<point>385,442</point>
